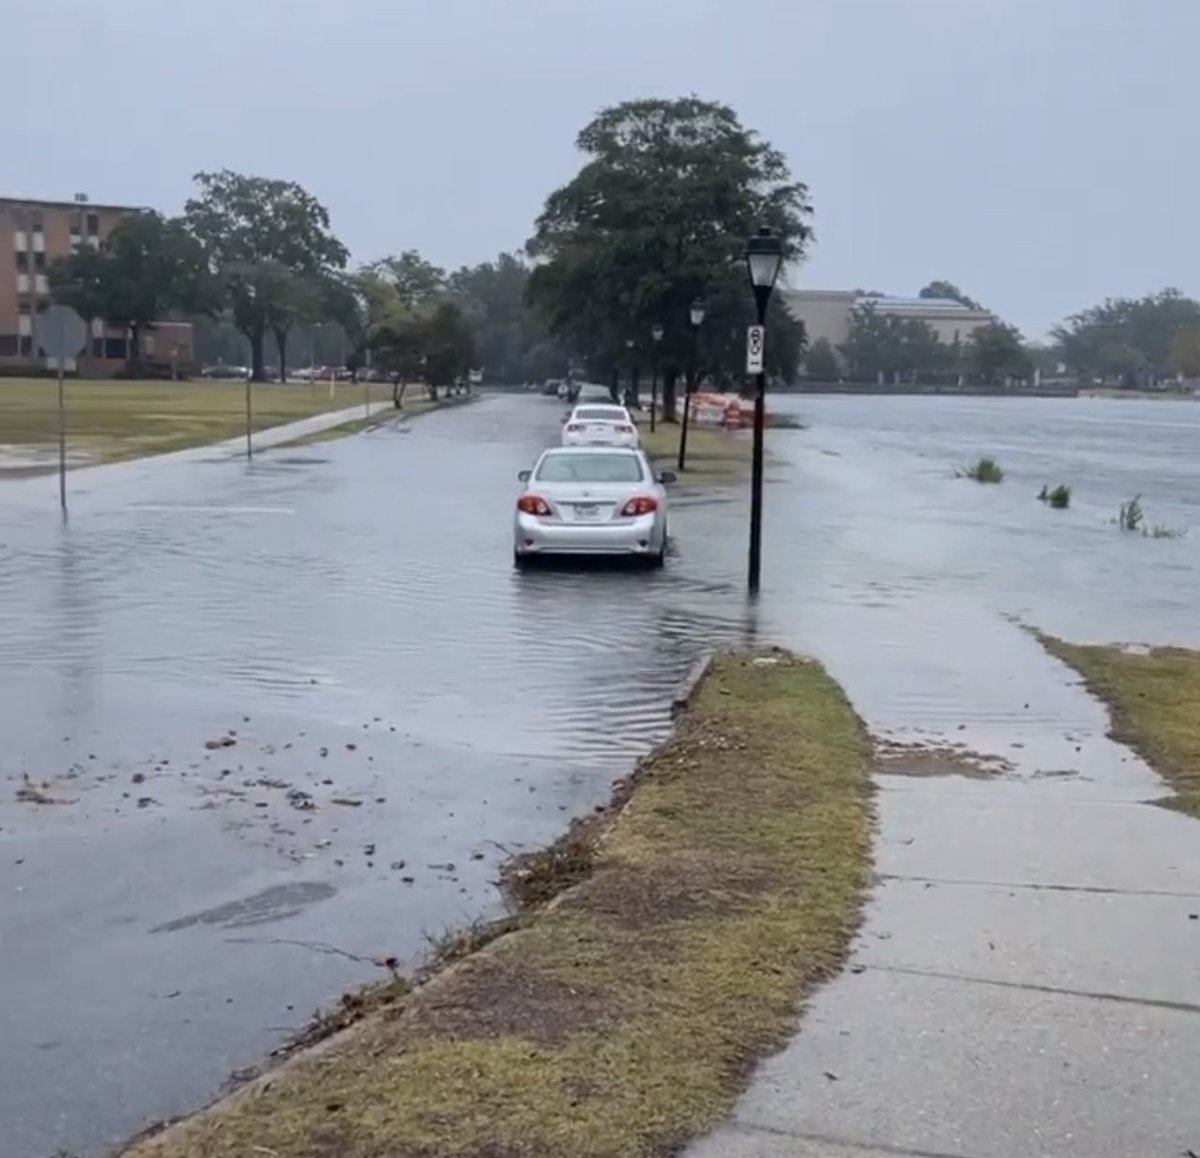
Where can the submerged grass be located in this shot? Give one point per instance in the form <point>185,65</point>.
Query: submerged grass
<point>413,408</point>
<point>620,1018</point>
<point>1154,698</point>
<point>1059,498</point>
<point>111,421</point>
<point>985,470</point>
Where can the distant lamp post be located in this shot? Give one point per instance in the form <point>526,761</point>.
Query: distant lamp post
<point>630,397</point>
<point>696,317</point>
<point>656,333</point>
<point>251,294</point>
<point>764,256</point>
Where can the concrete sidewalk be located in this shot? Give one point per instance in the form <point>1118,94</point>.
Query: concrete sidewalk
<point>1027,982</point>
<point>86,479</point>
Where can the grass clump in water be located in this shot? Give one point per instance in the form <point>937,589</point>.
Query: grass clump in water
<point>1059,498</point>
<point>622,1017</point>
<point>1154,698</point>
<point>986,470</point>
<point>1131,519</point>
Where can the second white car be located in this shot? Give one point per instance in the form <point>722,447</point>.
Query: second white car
<point>600,424</point>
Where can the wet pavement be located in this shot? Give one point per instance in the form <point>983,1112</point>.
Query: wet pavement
<point>290,710</point>
<point>284,718</point>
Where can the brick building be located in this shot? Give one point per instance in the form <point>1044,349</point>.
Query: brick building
<point>33,234</point>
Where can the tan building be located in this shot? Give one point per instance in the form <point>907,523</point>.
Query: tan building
<point>826,314</point>
<point>33,234</point>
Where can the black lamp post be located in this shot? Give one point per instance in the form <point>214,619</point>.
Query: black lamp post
<point>630,397</point>
<point>656,332</point>
<point>696,317</point>
<point>764,256</point>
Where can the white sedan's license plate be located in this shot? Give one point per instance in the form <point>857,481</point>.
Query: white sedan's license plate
<point>586,512</point>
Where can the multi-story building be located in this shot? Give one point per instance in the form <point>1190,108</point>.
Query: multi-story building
<point>826,314</point>
<point>34,234</point>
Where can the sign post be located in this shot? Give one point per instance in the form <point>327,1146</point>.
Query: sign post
<point>61,334</point>
<point>756,340</point>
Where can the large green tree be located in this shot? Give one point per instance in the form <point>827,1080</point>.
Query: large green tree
<point>997,352</point>
<point>884,344</point>
<point>821,362</point>
<point>1132,340</point>
<point>147,267</point>
<point>658,215</point>
<point>270,242</point>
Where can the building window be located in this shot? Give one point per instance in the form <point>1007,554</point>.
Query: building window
<point>24,306</point>
<point>116,348</point>
<point>22,283</point>
<point>76,224</point>
<point>26,347</point>
<point>20,218</point>
<point>39,260</point>
<point>37,220</point>
<point>22,261</point>
<point>9,345</point>
<point>41,283</point>
<point>93,224</point>
<point>97,347</point>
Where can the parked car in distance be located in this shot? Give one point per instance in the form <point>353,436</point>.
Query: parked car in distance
<point>220,372</point>
<point>599,424</point>
<point>591,501</point>
<point>550,389</point>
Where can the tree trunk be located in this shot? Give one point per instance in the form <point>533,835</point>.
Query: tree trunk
<point>256,355</point>
<point>670,377</point>
<point>135,344</point>
<point>281,337</point>
<point>614,386</point>
<point>432,388</point>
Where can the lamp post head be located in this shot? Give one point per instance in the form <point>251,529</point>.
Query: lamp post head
<point>629,343</point>
<point>656,332</point>
<point>697,312</point>
<point>764,256</point>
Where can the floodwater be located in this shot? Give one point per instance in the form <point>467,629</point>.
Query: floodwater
<point>289,715</point>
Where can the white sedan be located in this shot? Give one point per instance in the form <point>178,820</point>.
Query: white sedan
<point>592,500</point>
<point>600,424</point>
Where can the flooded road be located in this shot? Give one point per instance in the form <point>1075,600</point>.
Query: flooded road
<point>277,718</point>
<point>277,722</point>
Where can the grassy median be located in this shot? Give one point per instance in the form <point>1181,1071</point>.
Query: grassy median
<point>714,456</point>
<point>621,1017</point>
<point>1154,698</point>
<point>110,421</point>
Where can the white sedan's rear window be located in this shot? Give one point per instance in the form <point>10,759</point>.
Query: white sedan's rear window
<point>565,467</point>
<point>600,414</point>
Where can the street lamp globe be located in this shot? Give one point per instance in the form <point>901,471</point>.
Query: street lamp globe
<point>764,256</point>
<point>629,343</point>
<point>656,332</point>
<point>697,312</point>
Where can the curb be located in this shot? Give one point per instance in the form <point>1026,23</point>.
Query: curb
<point>691,682</point>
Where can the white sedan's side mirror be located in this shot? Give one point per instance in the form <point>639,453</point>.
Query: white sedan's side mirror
<point>524,475</point>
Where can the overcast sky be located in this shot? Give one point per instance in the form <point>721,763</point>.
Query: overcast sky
<point>1041,153</point>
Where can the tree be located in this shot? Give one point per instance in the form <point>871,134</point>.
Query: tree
<point>263,238</point>
<point>147,267</point>
<point>657,215</point>
<point>448,344</point>
<point>949,291</point>
<point>1185,353</point>
<point>881,343</point>
<point>822,363</point>
<point>1130,339</point>
<point>996,352</point>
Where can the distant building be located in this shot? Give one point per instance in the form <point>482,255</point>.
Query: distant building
<point>826,314</point>
<point>36,233</point>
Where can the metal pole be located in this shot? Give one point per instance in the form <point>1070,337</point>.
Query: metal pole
<point>366,397</point>
<point>62,427</point>
<point>653,391</point>
<point>756,471</point>
<point>687,400</point>
<point>249,420</point>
